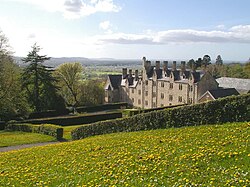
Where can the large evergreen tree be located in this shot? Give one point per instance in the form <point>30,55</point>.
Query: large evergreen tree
<point>39,82</point>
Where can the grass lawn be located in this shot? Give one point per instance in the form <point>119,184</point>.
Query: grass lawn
<point>214,155</point>
<point>19,138</point>
<point>67,131</point>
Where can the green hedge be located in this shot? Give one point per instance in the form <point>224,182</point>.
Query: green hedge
<point>230,109</point>
<point>133,112</point>
<point>97,108</point>
<point>76,120</point>
<point>2,125</point>
<point>48,129</point>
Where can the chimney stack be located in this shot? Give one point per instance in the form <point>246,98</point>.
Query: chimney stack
<point>174,66</point>
<point>157,65</point>
<point>165,65</point>
<point>136,75</point>
<point>124,73</point>
<point>130,73</point>
<point>183,66</point>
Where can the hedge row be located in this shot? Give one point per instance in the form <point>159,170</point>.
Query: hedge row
<point>133,112</point>
<point>231,109</point>
<point>49,113</point>
<point>97,108</point>
<point>52,130</point>
<point>76,120</point>
<point>2,125</point>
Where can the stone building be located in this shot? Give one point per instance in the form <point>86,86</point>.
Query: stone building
<point>157,86</point>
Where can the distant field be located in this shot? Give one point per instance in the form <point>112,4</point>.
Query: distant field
<point>216,155</point>
<point>19,138</point>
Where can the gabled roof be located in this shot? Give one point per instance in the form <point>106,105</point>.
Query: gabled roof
<point>115,80</point>
<point>239,84</point>
<point>222,92</point>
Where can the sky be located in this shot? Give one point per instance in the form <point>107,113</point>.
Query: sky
<point>129,29</point>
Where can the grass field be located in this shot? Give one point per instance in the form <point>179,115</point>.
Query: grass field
<point>215,155</point>
<point>19,138</point>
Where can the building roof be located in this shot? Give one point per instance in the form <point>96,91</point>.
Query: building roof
<point>223,92</point>
<point>239,84</point>
<point>115,80</point>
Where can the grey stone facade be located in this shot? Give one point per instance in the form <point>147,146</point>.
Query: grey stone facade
<point>157,86</point>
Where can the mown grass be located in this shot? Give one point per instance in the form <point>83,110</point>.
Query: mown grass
<point>67,131</point>
<point>19,138</point>
<point>216,155</point>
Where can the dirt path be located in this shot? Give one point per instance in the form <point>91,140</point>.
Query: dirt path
<point>18,147</point>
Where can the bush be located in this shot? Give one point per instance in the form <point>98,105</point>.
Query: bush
<point>47,129</point>
<point>133,112</point>
<point>76,120</point>
<point>230,109</point>
<point>97,108</point>
<point>2,125</point>
<point>49,113</point>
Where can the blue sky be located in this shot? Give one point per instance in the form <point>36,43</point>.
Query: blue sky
<point>129,29</point>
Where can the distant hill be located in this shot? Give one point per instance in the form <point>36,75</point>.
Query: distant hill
<point>54,62</point>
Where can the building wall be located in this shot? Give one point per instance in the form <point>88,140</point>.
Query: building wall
<point>152,92</point>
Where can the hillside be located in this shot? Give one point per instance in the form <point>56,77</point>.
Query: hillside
<point>215,155</point>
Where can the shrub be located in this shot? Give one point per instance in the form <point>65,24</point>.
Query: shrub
<point>235,108</point>
<point>2,125</point>
<point>76,120</point>
<point>48,129</point>
<point>97,108</point>
<point>48,113</point>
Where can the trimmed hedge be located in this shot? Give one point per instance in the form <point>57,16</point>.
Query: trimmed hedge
<point>76,120</point>
<point>133,112</point>
<point>230,109</point>
<point>98,108</point>
<point>49,113</point>
<point>2,125</point>
<point>52,130</point>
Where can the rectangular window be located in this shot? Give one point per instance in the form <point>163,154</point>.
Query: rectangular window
<point>146,103</point>
<point>162,84</point>
<point>146,82</point>
<point>154,104</point>
<point>162,95</point>
<point>139,92</point>
<point>154,83</point>
<point>146,93</point>
<point>133,100</point>
<point>170,97</point>
<point>139,101</point>
<point>162,105</point>
<point>154,94</point>
<point>132,90</point>
<point>180,86</point>
<point>190,88</point>
<point>180,99</point>
<point>171,85</point>
<point>190,100</point>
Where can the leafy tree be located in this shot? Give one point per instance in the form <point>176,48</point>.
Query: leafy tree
<point>39,83</point>
<point>218,61</point>
<point>191,64</point>
<point>247,69</point>
<point>206,61</point>
<point>70,76</point>
<point>12,99</point>
<point>92,92</point>
<point>198,62</point>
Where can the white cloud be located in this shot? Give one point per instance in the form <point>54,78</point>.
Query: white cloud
<point>74,9</point>
<point>105,25</point>
<point>220,27</point>
<point>237,34</point>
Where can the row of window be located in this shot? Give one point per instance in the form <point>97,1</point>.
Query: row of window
<point>171,98</point>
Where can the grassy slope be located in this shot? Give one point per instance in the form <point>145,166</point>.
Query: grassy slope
<point>199,156</point>
<point>19,138</point>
